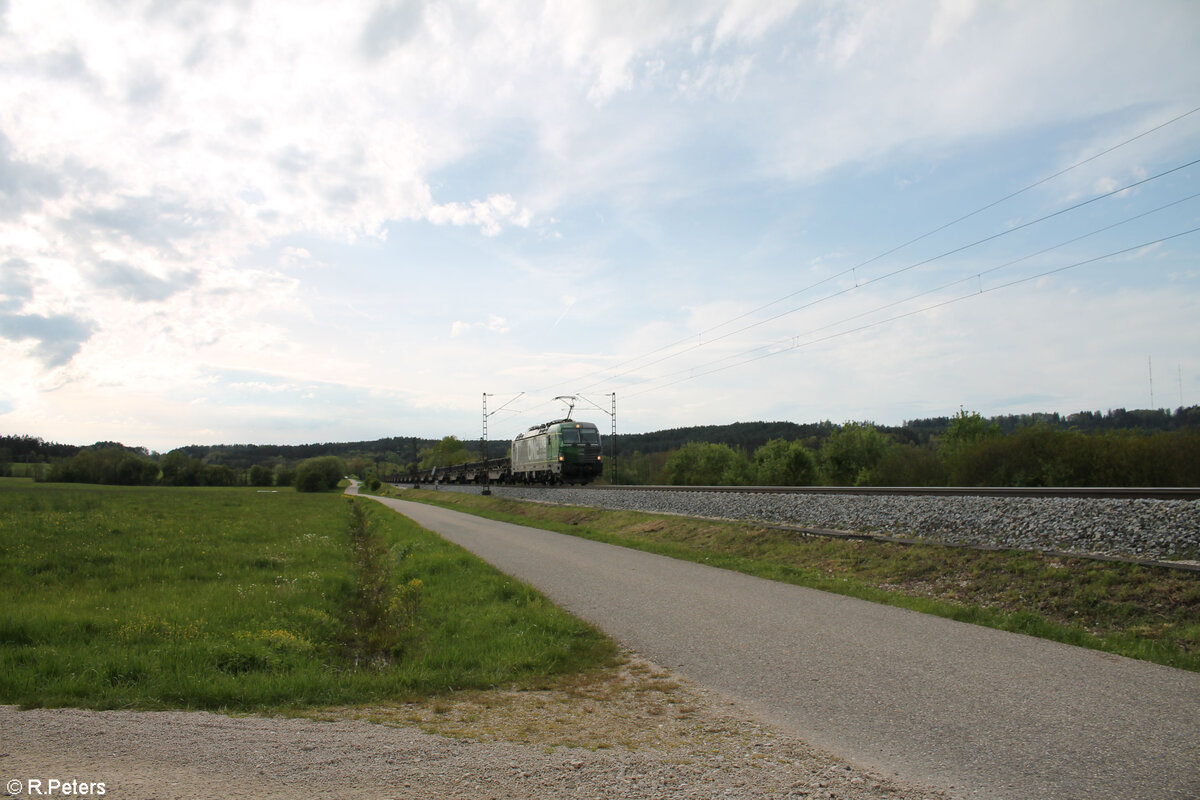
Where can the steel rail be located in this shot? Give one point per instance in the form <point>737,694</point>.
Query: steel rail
<point>1084,492</point>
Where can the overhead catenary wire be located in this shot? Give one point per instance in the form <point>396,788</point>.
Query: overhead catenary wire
<point>859,285</point>
<point>972,277</point>
<point>699,336</point>
<point>795,346</point>
<point>697,340</point>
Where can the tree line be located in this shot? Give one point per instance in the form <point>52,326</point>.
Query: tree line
<point>197,465</point>
<point>115,464</point>
<point>968,451</point>
<point>1116,448</point>
<point>752,435</point>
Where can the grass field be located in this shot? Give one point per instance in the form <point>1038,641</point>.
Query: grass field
<point>237,599</point>
<point>1147,613</point>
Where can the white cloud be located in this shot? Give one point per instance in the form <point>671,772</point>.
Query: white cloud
<point>876,81</point>
<point>296,188</point>
<point>948,19</point>
<point>493,324</point>
<point>490,215</point>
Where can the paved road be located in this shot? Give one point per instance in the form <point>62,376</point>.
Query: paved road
<point>978,712</point>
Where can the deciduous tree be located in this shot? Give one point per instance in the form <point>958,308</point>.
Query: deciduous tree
<point>783,463</point>
<point>707,464</point>
<point>850,453</point>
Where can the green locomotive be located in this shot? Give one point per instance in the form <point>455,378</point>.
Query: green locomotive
<point>562,451</point>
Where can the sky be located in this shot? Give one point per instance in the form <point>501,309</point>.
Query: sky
<point>290,222</point>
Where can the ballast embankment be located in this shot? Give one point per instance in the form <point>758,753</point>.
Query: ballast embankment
<point>1141,529</point>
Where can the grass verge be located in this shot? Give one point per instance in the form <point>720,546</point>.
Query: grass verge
<point>235,599</point>
<point>1147,613</point>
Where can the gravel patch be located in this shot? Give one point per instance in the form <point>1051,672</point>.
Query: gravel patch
<point>1142,529</point>
<point>638,731</point>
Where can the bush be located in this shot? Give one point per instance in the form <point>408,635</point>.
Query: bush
<point>319,474</point>
<point>219,475</point>
<point>850,453</point>
<point>134,471</point>
<point>261,476</point>
<point>285,475</point>
<point>783,463</point>
<point>1041,456</point>
<point>380,616</point>
<point>180,469</point>
<point>968,428</point>
<point>109,465</point>
<point>705,464</point>
<point>909,465</point>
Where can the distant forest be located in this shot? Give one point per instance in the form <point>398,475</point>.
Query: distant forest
<point>752,435</point>
<point>1116,447</point>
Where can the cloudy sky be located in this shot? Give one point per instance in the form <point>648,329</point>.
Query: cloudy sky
<point>286,222</point>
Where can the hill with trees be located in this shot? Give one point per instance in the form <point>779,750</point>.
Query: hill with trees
<point>1114,448</point>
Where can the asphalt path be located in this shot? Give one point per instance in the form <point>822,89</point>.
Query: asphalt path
<point>976,712</point>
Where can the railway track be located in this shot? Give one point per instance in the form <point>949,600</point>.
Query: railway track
<point>1112,493</point>
<point>1144,525</point>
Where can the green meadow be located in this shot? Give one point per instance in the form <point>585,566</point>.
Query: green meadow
<point>239,599</point>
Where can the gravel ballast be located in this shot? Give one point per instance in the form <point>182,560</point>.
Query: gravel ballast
<point>1141,529</point>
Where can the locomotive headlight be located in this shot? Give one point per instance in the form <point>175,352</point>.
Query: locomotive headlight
<point>560,458</point>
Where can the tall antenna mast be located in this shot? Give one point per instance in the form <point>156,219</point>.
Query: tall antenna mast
<point>1150,367</point>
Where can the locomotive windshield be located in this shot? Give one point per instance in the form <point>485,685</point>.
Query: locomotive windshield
<point>580,435</point>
